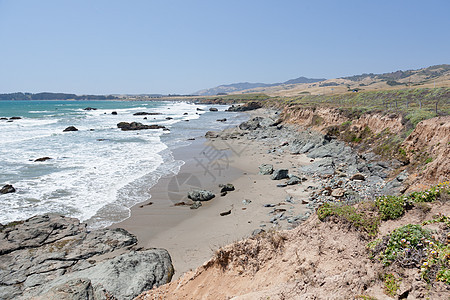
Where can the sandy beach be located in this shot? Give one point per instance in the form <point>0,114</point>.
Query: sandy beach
<point>192,235</point>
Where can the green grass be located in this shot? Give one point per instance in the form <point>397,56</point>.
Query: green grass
<point>391,284</point>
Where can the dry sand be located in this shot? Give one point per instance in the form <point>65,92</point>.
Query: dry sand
<point>192,235</point>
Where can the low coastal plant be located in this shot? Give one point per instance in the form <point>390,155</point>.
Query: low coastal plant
<point>391,207</point>
<point>362,220</point>
<point>391,284</point>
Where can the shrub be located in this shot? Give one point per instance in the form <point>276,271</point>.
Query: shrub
<point>391,284</point>
<point>390,207</point>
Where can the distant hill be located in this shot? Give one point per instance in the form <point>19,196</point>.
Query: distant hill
<point>241,86</point>
<point>53,96</point>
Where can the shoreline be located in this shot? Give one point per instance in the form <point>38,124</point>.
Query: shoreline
<point>192,235</point>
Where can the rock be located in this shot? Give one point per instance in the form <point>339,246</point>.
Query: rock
<point>125,276</point>
<point>89,108</point>
<point>279,174</point>
<point>281,185</point>
<point>125,126</point>
<point>169,118</point>
<point>307,147</point>
<point>226,187</point>
<point>143,113</point>
<point>223,194</point>
<point>70,128</point>
<point>39,254</point>
<point>226,213</point>
<point>15,118</point>
<point>195,205</point>
<point>6,189</point>
<point>114,113</point>
<point>185,114</point>
<point>293,180</point>
<point>221,120</point>
<point>199,109</point>
<point>258,231</point>
<point>213,109</point>
<point>246,201</point>
<point>211,134</point>
<point>337,193</point>
<point>251,124</point>
<point>200,195</point>
<point>43,159</point>
<point>246,107</point>
<point>269,205</point>
<point>265,169</point>
<point>358,176</point>
<point>76,289</point>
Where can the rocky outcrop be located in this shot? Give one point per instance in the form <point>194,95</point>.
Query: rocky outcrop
<point>39,254</point>
<point>200,195</point>
<point>125,126</point>
<point>246,107</point>
<point>6,189</point>
<point>70,128</point>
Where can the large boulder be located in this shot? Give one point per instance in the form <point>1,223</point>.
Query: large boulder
<point>280,174</point>
<point>6,189</point>
<point>251,124</point>
<point>265,169</point>
<point>125,126</point>
<point>200,195</point>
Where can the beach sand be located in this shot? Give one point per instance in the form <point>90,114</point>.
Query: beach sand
<point>192,235</point>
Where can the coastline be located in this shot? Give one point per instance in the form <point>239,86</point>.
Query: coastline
<point>191,235</point>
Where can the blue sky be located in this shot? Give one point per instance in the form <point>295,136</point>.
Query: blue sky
<point>110,46</point>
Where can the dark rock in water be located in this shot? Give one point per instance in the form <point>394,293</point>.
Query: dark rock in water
<point>280,174</point>
<point>6,189</point>
<point>143,113</point>
<point>221,120</point>
<point>137,126</point>
<point>358,176</point>
<point>186,120</point>
<point>49,253</point>
<point>114,113</point>
<point>169,118</point>
<point>213,109</point>
<point>15,118</point>
<point>70,128</point>
<point>89,108</point>
<point>199,109</point>
<point>211,134</point>
<point>185,114</point>
<point>246,107</point>
<point>200,195</point>
<point>195,205</point>
<point>226,187</point>
<point>191,139</point>
<point>293,180</point>
<point>3,118</point>
<point>251,124</point>
<point>265,169</point>
<point>226,213</point>
<point>43,159</point>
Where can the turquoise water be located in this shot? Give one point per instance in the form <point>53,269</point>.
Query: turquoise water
<point>97,173</point>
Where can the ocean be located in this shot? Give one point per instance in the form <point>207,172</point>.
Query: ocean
<point>95,174</point>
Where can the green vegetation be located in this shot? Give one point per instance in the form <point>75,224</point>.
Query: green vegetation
<point>390,207</point>
<point>391,284</point>
<point>361,219</point>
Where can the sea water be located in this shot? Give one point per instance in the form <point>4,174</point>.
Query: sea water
<point>98,172</point>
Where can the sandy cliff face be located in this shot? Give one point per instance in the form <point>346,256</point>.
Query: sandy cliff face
<point>431,138</point>
<point>322,118</point>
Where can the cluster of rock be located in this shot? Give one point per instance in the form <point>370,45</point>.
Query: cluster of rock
<point>143,113</point>
<point>10,119</point>
<point>125,126</point>
<point>54,257</point>
<point>246,107</point>
<point>340,173</point>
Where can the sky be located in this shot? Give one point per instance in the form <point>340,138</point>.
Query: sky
<point>181,46</point>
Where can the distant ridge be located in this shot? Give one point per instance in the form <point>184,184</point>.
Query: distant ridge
<point>241,86</point>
